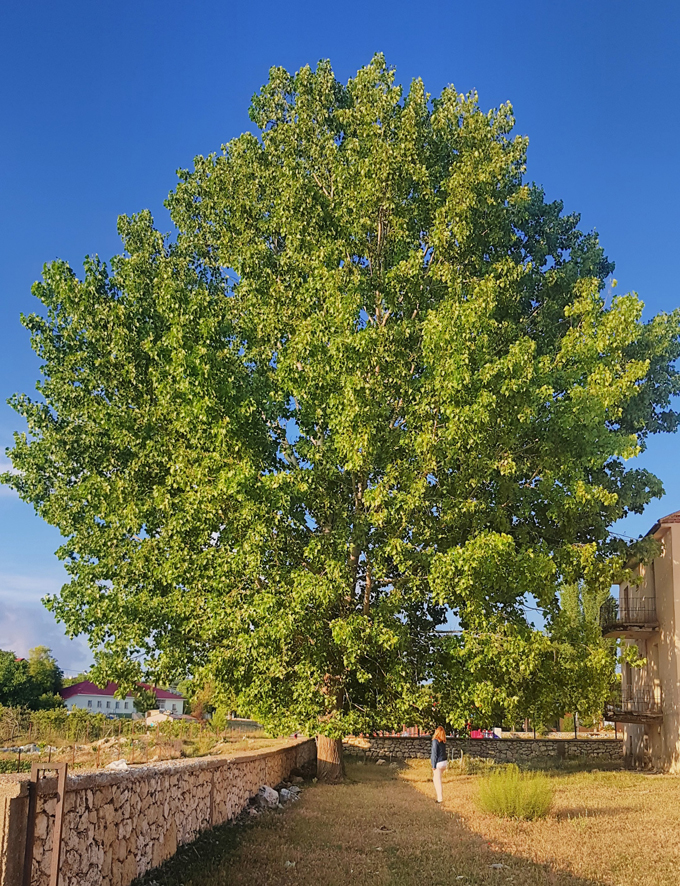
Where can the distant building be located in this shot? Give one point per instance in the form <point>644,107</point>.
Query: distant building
<point>648,616</point>
<point>88,696</point>
<point>155,718</point>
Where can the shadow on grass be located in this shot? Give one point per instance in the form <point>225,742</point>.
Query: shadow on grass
<point>202,860</point>
<point>375,829</point>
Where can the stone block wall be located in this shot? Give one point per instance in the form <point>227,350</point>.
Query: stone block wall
<point>117,825</point>
<point>504,750</point>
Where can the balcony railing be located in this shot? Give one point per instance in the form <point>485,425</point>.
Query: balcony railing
<point>637,707</point>
<point>635,614</point>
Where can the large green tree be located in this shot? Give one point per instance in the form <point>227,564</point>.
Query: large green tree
<point>33,683</point>
<point>372,375</point>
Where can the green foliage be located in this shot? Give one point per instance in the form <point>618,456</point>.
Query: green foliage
<point>33,683</point>
<point>207,698</point>
<point>511,671</point>
<point>8,766</point>
<point>372,376</point>
<point>510,793</point>
<point>493,676</point>
<point>568,723</point>
<point>584,666</point>
<point>221,718</point>
<point>80,678</point>
<point>15,686</point>
<point>74,725</point>
<point>52,724</point>
<point>44,671</point>
<point>145,700</point>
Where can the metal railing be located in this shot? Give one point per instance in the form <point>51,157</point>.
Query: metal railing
<point>643,702</point>
<point>634,612</point>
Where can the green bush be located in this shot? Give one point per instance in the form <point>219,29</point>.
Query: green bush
<point>74,725</point>
<point>9,766</point>
<point>510,793</point>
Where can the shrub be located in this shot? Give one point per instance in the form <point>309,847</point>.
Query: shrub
<point>10,766</point>
<point>510,793</point>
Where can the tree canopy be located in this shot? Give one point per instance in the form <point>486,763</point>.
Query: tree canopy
<point>373,377</point>
<point>33,682</point>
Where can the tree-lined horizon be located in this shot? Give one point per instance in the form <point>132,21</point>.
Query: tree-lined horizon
<point>371,379</point>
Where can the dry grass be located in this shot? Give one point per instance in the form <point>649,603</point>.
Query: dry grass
<point>616,828</point>
<point>382,827</point>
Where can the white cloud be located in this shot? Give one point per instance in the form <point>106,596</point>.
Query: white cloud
<point>23,587</point>
<point>24,621</point>
<point>25,626</point>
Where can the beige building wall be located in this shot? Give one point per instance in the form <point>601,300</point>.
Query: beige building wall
<point>656,743</point>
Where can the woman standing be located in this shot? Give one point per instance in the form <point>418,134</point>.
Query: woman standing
<point>438,760</point>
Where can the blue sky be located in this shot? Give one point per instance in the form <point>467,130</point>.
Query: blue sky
<point>102,102</point>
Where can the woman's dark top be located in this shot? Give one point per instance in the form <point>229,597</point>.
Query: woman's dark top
<point>438,754</point>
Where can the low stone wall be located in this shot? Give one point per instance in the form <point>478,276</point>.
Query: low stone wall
<point>117,825</point>
<point>504,750</point>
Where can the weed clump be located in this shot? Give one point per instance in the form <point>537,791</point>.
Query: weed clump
<point>467,765</point>
<point>510,793</point>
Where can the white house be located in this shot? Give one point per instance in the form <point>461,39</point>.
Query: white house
<point>88,696</point>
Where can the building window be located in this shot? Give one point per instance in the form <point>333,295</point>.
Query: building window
<point>117,705</point>
<point>161,704</point>
<point>108,704</point>
<point>89,702</point>
<point>99,704</point>
<point>174,707</point>
<point>126,706</point>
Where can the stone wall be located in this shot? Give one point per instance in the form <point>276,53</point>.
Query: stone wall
<point>504,750</point>
<point>117,825</point>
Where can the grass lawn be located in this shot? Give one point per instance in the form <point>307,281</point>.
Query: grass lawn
<point>383,827</point>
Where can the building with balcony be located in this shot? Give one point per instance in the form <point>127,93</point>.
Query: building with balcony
<point>647,615</point>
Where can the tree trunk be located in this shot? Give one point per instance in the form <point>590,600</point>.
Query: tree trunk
<point>330,766</point>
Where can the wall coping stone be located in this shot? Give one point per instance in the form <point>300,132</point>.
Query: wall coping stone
<point>84,779</point>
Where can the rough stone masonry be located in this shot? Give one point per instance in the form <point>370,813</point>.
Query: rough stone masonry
<point>117,825</point>
<point>504,750</point>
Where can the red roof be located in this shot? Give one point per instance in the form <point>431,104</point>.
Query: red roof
<point>85,687</point>
<point>662,521</point>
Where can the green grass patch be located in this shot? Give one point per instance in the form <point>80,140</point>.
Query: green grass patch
<point>510,793</point>
<point>9,766</point>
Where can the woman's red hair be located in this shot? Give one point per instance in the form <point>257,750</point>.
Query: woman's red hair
<point>440,734</point>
